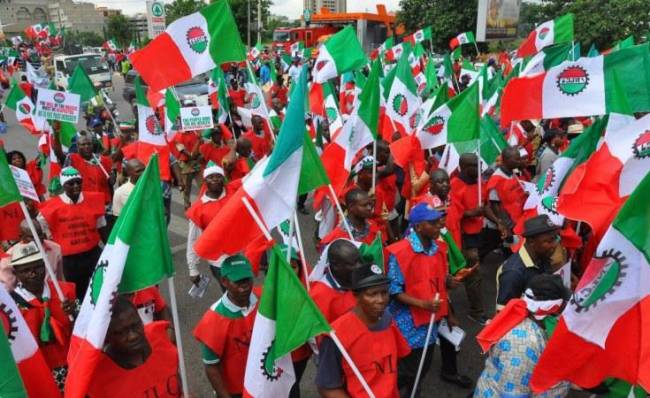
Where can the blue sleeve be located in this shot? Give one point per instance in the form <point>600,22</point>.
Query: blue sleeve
<point>329,374</point>
<point>511,285</point>
<point>396,285</point>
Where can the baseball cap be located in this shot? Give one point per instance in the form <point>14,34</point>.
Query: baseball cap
<point>236,268</point>
<point>424,212</point>
<point>25,253</point>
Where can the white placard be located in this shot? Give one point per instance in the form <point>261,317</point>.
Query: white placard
<point>196,118</point>
<point>58,105</point>
<point>24,183</point>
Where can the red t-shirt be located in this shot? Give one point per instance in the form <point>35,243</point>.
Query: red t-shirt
<point>187,140</point>
<point>94,178</point>
<point>238,97</point>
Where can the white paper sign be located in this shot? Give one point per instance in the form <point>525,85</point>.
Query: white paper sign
<point>24,183</point>
<point>196,118</point>
<point>58,105</point>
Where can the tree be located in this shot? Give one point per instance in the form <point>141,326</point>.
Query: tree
<point>602,23</point>
<point>181,8</point>
<point>91,39</point>
<point>119,29</point>
<point>447,18</point>
<point>240,12</point>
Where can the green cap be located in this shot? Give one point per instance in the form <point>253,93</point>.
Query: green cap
<point>236,268</point>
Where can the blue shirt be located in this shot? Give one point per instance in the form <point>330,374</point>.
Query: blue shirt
<point>415,336</point>
<point>265,74</point>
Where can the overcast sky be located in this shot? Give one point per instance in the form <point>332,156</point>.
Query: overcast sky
<point>290,8</point>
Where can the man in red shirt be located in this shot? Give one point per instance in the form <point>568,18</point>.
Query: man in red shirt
<point>26,86</point>
<point>237,95</point>
<point>360,209</point>
<point>185,147</point>
<point>259,137</point>
<point>279,91</point>
<point>217,148</point>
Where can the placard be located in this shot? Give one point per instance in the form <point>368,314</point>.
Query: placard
<point>24,183</point>
<point>58,105</point>
<point>196,118</point>
<point>497,19</point>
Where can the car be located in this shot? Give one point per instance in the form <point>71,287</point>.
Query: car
<point>93,64</point>
<point>190,92</point>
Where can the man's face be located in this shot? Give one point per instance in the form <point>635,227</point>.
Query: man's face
<point>439,184</point>
<point>470,168</point>
<point>72,188</point>
<point>85,147</point>
<point>31,275</point>
<point>214,182</point>
<point>364,178</point>
<point>244,149</point>
<point>373,301</point>
<point>343,265</point>
<point>361,207</point>
<point>216,135</point>
<point>239,292</point>
<point>429,229</point>
<point>136,172</point>
<point>126,332</point>
<point>17,161</point>
<point>545,244</point>
<point>513,161</point>
<point>258,123</point>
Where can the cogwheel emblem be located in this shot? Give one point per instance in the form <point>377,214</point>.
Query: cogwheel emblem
<point>547,181</point>
<point>641,146</point>
<point>8,322</point>
<point>572,80</point>
<point>550,204</point>
<point>269,370</point>
<point>400,105</point>
<point>612,266</point>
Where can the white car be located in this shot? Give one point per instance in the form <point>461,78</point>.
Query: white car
<point>93,64</point>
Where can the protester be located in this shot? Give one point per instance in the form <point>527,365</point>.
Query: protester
<point>359,218</point>
<point>370,337</point>
<point>134,169</point>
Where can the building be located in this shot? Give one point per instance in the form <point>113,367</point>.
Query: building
<point>109,12</point>
<point>332,5</point>
<point>17,15</point>
<point>138,24</point>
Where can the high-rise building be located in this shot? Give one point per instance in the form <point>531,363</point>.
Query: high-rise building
<point>332,5</point>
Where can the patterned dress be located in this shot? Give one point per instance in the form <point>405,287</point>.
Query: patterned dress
<point>510,365</point>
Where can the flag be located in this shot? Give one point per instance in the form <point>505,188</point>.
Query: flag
<point>385,46</point>
<point>373,253</point>
<point>583,87</point>
<point>340,53</point>
<point>593,51</point>
<point>191,45</point>
<point>286,319</point>
<point>547,58</point>
<point>132,47</point>
<point>219,95</point>
<point>257,101</point>
<point>403,102</point>
<point>79,83</point>
<point>271,187</point>
<point>331,109</point>
<point>25,110</point>
<point>395,52</point>
<point>172,112</point>
<point>37,31</point>
<point>35,373</point>
<point>255,51</point>
<point>110,45</point>
<point>149,130</point>
<point>596,189</point>
<point>9,192</point>
<point>37,76</point>
<point>559,30</point>
<point>296,48</point>
<point>492,143</point>
<point>463,38</point>
<point>312,172</point>
<point>137,255</point>
<point>457,120</point>
<point>419,36</point>
<point>603,332</point>
<point>12,386</point>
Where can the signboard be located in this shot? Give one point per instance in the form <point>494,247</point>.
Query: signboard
<point>196,118</point>
<point>58,105</point>
<point>497,19</point>
<point>24,183</point>
<point>155,18</point>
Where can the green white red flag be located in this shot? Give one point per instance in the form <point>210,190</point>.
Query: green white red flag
<point>257,101</point>
<point>339,54</point>
<point>111,45</point>
<point>149,129</point>
<point>583,87</point>
<point>286,319</point>
<point>403,101</point>
<point>597,189</point>
<point>603,332</point>
<point>559,30</point>
<point>137,255</point>
<point>190,45</point>
<point>463,38</point>
<point>18,101</point>
<point>419,36</point>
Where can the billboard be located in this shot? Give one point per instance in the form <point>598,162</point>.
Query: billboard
<point>155,18</point>
<point>497,19</point>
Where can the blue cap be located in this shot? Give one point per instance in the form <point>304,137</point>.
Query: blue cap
<point>424,212</point>
<point>96,122</point>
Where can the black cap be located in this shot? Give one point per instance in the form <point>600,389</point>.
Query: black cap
<point>548,287</point>
<point>538,225</point>
<point>368,275</point>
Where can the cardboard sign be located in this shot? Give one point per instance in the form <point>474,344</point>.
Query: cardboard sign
<point>24,183</point>
<point>58,105</point>
<point>196,118</point>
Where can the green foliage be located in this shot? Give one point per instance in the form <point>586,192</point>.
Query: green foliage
<point>91,39</point>
<point>240,12</point>
<point>602,22</point>
<point>119,29</point>
<point>447,18</point>
<point>181,8</point>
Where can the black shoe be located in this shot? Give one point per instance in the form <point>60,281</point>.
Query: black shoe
<point>480,319</point>
<point>457,379</point>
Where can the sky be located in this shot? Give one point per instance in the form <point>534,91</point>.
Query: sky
<point>290,8</point>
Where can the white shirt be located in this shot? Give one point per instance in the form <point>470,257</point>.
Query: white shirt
<point>294,72</point>
<point>120,196</point>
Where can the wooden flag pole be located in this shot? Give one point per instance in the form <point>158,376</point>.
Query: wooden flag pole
<point>340,209</point>
<point>177,334</point>
<point>432,320</point>
<point>301,251</point>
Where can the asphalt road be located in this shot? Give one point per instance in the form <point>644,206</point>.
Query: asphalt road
<point>470,361</point>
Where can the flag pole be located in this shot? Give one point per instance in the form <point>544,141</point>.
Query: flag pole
<point>479,172</point>
<point>177,334</point>
<point>340,209</point>
<point>257,219</point>
<point>301,251</point>
<point>432,320</point>
<point>39,244</point>
<point>352,365</point>
<point>374,165</point>
<point>476,47</point>
<point>292,225</point>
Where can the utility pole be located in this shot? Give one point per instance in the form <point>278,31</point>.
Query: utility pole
<point>248,26</point>
<point>259,21</point>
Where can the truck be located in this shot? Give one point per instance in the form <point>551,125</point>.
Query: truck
<point>94,65</point>
<point>372,29</point>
